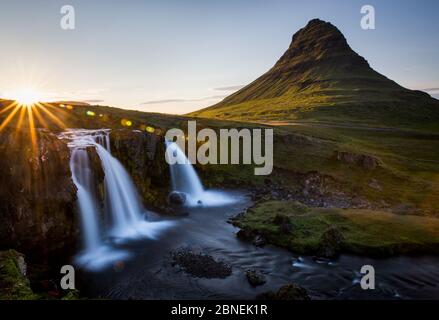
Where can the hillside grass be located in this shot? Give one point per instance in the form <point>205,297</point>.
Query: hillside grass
<point>408,177</point>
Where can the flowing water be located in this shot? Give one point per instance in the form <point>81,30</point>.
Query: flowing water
<point>151,275</point>
<point>122,207</point>
<point>184,179</point>
<point>142,269</point>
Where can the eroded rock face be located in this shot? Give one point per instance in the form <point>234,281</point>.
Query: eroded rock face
<point>37,195</point>
<point>143,156</point>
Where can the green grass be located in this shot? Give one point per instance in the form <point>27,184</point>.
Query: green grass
<point>364,231</point>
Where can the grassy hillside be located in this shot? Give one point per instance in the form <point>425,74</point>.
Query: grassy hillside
<point>406,181</point>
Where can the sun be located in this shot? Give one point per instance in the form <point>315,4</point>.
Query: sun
<point>26,96</point>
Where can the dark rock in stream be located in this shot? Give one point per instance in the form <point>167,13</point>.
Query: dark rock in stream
<point>289,292</point>
<point>177,198</point>
<point>255,278</point>
<point>200,265</point>
<point>259,241</point>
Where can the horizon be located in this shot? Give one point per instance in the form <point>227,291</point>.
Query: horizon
<point>175,72</point>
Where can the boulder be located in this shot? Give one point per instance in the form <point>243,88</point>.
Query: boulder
<point>330,243</point>
<point>200,265</point>
<point>289,292</point>
<point>365,161</point>
<point>177,198</point>
<point>292,292</point>
<point>255,278</point>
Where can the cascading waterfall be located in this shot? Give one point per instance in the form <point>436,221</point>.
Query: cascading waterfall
<point>122,205</point>
<point>184,179</point>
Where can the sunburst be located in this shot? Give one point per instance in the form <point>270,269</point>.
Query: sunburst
<point>26,110</point>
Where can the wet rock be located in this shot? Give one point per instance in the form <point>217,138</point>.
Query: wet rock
<point>259,241</point>
<point>255,278</point>
<point>200,265</point>
<point>143,156</point>
<point>330,243</point>
<point>177,198</point>
<point>289,292</point>
<point>292,292</point>
<point>244,234</point>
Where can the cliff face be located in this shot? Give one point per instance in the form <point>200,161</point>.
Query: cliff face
<point>143,156</point>
<point>37,196</point>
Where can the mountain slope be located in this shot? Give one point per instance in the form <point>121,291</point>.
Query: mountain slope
<point>321,78</point>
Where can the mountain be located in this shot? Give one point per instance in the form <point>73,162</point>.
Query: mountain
<point>320,78</point>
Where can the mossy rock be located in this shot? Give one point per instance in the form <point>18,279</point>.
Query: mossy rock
<point>14,285</point>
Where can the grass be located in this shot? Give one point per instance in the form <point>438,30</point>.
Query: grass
<point>364,231</point>
<point>409,176</point>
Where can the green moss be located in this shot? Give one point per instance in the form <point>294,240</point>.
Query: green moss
<point>364,231</point>
<point>13,284</point>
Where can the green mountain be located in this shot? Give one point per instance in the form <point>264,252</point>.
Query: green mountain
<point>320,78</point>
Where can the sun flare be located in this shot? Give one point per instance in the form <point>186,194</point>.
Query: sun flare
<point>26,96</point>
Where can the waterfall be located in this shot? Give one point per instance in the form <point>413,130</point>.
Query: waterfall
<point>82,178</point>
<point>184,179</point>
<point>122,206</point>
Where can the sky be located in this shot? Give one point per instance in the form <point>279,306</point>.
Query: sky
<point>176,56</point>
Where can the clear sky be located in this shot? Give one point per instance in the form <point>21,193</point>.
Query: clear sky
<point>176,56</point>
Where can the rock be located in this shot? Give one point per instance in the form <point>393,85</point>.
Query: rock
<point>200,265</point>
<point>255,278</point>
<point>366,161</point>
<point>37,196</point>
<point>259,241</point>
<point>374,184</point>
<point>330,243</point>
<point>284,223</point>
<point>289,292</point>
<point>292,292</point>
<point>143,156</point>
<point>244,234</point>
<point>14,285</point>
<point>177,198</point>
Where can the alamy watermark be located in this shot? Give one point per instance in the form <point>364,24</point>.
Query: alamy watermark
<point>233,146</point>
<point>368,19</point>
<point>67,21</point>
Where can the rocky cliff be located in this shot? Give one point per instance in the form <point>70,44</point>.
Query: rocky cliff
<point>37,196</point>
<point>143,156</point>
